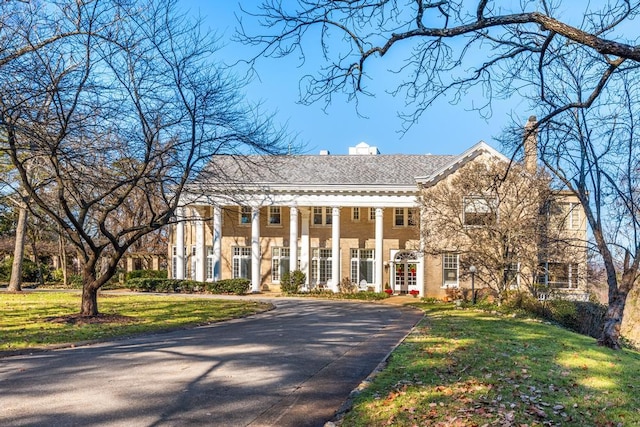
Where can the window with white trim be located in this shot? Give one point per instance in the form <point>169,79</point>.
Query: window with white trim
<point>174,262</point>
<point>320,266</point>
<point>362,265</point>
<point>512,275</point>
<point>355,214</point>
<point>241,262</point>
<point>210,265</point>
<point>280,262</point>
<point>193,263</point>
<point>572,215</point>
<point>321,216</point>
<point>559,275</point>
<point>275,215</point>
<point>450,267</point>
<point>372,214</point>
<point>405,217</point>
<point>245,215</point>
<point>479,211</point>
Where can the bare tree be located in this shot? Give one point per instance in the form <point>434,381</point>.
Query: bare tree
<point>492,215</point>
<point>453,47</point>
<point>123,103</point>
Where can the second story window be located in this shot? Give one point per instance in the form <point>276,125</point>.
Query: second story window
<point>245,215</point>
<point>275,216</point>
<point>405,217</point>
<point>479,211</point>
<point>355,214</point>
<point>321,216</point>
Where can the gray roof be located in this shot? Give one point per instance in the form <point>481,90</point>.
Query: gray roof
<point>381,169</point>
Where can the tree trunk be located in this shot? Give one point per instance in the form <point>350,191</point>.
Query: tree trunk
<point>15,283</point>
<point>89,305</point>
<point>613,321</point>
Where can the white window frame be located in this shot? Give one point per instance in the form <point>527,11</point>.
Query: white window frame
<point>210,267</point>
<point>372,214</point>
<point>450,261</point>
<point>240,254</point>
<point>573,215</point>
<point>174,262</point>
<point>408,217</point>
<point>321,266</point>
<point>360,257</point>
<point>479,205</point>
<point>323,213</point>
<point>244,216</point>
<point>355,214</point>
<point>275,215</point>
<point>516,271</point>
<point>278,255</point>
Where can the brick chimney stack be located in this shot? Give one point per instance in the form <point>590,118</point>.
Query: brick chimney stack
<point>531,145</point>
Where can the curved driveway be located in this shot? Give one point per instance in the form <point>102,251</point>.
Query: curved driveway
<point>293,366</point>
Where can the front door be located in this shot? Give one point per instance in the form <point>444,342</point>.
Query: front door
<point>404,272</point>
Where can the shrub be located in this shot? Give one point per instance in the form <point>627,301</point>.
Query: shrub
<point>237,286</point>
<point>346,286</point>
<point>30,270</point>
<point>155,274</point>
<point>290,283</point>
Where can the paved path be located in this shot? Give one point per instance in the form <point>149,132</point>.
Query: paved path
<point>293,366</point>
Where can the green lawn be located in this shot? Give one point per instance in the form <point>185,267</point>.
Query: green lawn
<point>471,368</point>
<point>41,319</point>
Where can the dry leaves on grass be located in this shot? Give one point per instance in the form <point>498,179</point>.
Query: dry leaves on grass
<point>78,319</point>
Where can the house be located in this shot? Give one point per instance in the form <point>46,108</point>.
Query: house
<point>355,216</point>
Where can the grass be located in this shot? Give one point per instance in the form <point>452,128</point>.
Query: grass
<point>471,368</point>
<point>33,320</point>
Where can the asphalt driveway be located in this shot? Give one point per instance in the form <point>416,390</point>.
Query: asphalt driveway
<point>293,366</point>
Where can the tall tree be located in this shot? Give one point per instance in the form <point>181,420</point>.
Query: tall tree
<point>495,221</point>
<point>123,102</point>
<point>453,47</point>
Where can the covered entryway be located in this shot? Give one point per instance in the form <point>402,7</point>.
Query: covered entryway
<point>405,267</point>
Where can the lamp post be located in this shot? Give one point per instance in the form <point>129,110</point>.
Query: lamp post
<point>472,270</point>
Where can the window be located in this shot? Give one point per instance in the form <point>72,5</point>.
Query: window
<point>320,266</point>
<point>450,270</point>
<point>194,264</point>
<point>242,262</point>
<point>559,275</point>
<point>405,217</point>
<point>280,261</point>
<point>372,214</point>
<point>355,214</point>
<point>512,275</point>
<point>479,211</point>
<point>245,215</point>
<point>274,215</point>
<point>174,263</point>
<point>572,215</point>
<point>321,216</point>
<point>211,268</point>
<point>362,265</point>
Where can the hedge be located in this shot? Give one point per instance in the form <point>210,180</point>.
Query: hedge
<point>229,286</point>
<point>150,274</point>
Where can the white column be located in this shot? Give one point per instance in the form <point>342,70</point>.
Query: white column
<point>255,249</point>
<point>379,248</point>
<point>217,242</point>
<point>200,249</point>
<point>179,273</point>
<point>293,238</point>
<point>335,249</point>
<point>305,242</point>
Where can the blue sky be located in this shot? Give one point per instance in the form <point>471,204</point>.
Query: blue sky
<point>444,129</point>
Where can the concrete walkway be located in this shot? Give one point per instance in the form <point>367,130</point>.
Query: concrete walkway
<point>293,366</point>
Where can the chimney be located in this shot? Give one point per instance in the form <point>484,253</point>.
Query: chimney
<point>530,144</point>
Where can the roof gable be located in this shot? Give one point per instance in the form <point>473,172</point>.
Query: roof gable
<point>456,162</point>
